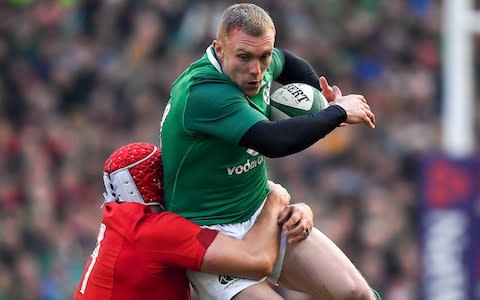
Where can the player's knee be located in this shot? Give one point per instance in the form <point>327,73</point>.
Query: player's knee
<point>357,290</point>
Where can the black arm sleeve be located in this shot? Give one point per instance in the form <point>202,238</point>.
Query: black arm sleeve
<point>285,137</point>
<point>297,69</point>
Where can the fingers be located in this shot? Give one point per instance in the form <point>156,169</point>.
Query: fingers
<point>327,90</point>
<point>324,84</point>
<point>284,215</point>
<point>372,116</point>
<point>337,91</point>
<point>369,123</point>
<point>290,217</point>
<point>296,224</point>
<point>370,120</point>
<point>298,232</point>
<point>358,110</point>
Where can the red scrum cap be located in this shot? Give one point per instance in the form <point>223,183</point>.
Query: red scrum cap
<point>133,173</point>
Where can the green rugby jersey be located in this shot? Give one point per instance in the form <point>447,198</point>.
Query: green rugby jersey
<point>208,177</point>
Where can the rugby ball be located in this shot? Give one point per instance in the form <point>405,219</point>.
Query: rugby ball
<point>295,99</point>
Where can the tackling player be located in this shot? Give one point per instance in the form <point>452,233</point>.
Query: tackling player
<point>142,252</point>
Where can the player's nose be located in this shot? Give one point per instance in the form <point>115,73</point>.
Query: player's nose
<point>255,67</point>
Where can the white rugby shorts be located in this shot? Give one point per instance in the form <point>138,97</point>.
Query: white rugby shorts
<point>222,287</point>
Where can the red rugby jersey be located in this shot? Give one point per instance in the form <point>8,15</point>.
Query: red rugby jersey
<point>143,255</point>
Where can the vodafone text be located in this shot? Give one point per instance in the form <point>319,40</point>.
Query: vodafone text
<point>247,166</point>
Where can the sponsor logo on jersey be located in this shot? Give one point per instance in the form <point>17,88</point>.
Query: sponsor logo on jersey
<point>247,166</point>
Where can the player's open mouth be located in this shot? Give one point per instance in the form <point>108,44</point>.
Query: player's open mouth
<point>254,83</point>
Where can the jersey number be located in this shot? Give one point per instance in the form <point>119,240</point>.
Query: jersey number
<point>101,234</point>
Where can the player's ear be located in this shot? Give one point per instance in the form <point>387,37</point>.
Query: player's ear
<point>217,46</point>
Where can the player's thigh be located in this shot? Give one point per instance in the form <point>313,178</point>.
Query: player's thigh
<point>316,266</point>
<point>259,291</point>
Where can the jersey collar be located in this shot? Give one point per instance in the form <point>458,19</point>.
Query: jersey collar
<point>213,59</point>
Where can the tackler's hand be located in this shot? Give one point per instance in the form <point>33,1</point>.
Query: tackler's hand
<point>296,221</point>
<point>278,194</point>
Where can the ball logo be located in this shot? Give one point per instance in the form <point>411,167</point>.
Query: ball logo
<point>295,95</point>
<point>225,279</point>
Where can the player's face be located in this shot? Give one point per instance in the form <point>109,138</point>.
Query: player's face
<point>244,58</point>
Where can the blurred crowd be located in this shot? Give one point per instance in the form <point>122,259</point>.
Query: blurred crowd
<point>80,78</point>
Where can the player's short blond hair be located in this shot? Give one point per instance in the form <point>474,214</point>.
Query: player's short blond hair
<point>249,18</point>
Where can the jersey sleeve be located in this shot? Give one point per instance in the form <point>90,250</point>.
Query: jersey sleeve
<point>277,64</point>
<point>177,242</point>
<point>221,111</point>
